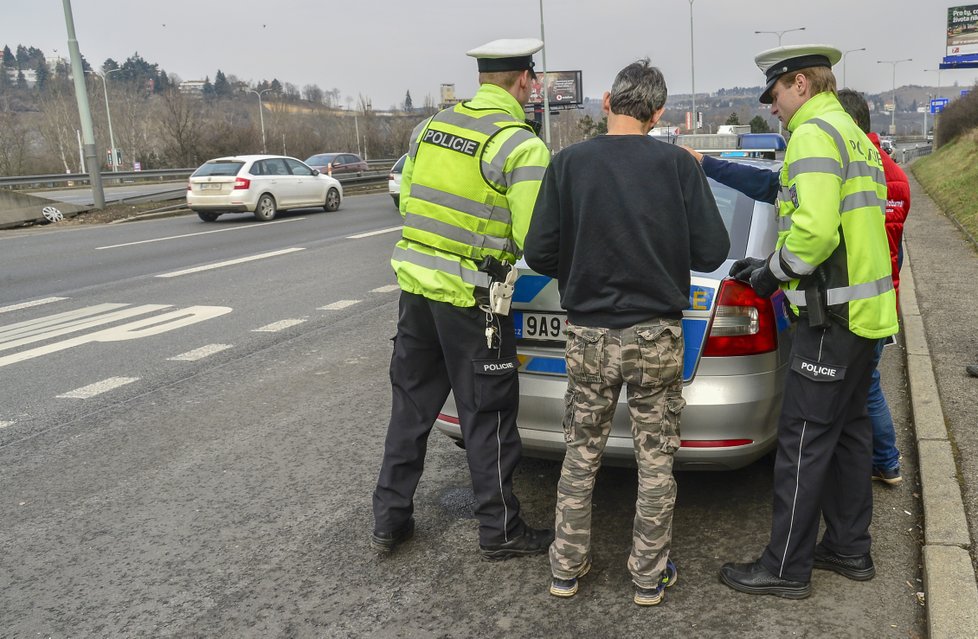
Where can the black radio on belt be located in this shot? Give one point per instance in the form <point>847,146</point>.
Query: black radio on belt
<point>816,303</point>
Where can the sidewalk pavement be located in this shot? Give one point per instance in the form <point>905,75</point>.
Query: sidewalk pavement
<point>938,297</point>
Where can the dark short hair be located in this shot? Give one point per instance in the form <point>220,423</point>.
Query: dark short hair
<point>855,105</point>
<point>639,91</point>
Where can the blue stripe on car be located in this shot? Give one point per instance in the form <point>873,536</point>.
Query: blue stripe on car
<point>528,287</point>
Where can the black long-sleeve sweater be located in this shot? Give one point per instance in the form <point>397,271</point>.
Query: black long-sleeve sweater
<point>620,221</point>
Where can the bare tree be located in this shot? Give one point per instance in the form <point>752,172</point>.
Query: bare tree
<point>14,144</point>
<point>313,93</point>
<point>180,127</point>
<point>59,123</point>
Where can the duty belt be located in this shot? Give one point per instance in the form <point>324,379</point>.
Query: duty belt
<point>844,294</point>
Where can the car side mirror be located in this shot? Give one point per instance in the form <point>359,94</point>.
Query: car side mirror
<point>315,171</point>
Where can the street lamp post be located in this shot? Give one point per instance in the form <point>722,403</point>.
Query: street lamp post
<point>84,112</point>
<point>844,63</point>
<point>893,112</point>
<point>692,68</point>
<point>105,89</point>
<point>938,69</point>
<point>780,34</point>
<point>546,97</point>
<point>261,117</point>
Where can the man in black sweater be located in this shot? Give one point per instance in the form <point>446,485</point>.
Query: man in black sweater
<point>620,221</point>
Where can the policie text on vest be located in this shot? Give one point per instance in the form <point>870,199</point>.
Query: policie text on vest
<point>450,141</point>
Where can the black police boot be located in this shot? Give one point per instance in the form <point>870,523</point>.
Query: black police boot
<point>858,567</point>
<point>755,579</point>
<point>386,541</point>
<point>533,541</point>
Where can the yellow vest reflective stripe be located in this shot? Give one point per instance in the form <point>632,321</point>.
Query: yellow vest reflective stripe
<point>457,201</point>
<point>856,274</point>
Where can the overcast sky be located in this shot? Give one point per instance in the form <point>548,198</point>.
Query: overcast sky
<point>384,48</point>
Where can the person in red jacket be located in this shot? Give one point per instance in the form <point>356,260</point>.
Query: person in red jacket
<point>886,457</point>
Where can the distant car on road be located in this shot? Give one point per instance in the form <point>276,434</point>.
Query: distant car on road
<point>887,145</point>
<point>259,184</point>
<point>394,180</point>
<point>337,163</point>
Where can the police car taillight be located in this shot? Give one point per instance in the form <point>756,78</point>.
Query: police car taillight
<point>743,323</point>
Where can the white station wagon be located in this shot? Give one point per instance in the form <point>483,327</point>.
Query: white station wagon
<point>259,184</point>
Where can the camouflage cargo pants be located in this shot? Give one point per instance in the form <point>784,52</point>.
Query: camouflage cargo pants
<point>647,359</point>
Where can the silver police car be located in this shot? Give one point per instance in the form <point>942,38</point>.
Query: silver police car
<point>736,357</point>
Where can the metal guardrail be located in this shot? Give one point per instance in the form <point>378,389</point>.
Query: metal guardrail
<point>909,155</point>
<point>379,170</point>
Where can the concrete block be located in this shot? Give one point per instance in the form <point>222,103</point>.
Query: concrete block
<point>914,335</point>
<point>951,593</point>
<point>925,401</point>
<point>908,290</point>
<point>944,519</point>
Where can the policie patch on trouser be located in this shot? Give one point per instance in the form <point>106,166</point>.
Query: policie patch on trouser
<point>451,141</point>
<point>816,371</point>
<point>496,383</point>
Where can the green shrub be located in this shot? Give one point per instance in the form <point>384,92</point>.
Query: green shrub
<point>958,117</point>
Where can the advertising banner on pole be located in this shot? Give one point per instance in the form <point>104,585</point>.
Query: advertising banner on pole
<point>962,30</point>
<point>563,89</point>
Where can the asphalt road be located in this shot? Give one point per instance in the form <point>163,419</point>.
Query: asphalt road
<point>224,489</point>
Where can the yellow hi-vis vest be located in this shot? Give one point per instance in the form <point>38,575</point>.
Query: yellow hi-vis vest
<point>831,213</point>
<point>456,204</point>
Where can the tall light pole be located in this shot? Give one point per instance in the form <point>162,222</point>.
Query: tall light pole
<point>780,34</point>
<point>938,69</point>
<point>84,112</point>
<point>844,63</point>
<point>261,117</point>
<point>108,115</point>
<point>893,113</point>
<point>546,97</point>
<point>692,68</point>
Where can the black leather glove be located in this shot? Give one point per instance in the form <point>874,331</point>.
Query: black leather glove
<point>742,269</point>
<point>763,281</point>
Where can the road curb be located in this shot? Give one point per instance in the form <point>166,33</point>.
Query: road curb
<point>949,581</point>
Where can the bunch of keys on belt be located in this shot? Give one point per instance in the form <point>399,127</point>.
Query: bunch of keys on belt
<point>490,334</point>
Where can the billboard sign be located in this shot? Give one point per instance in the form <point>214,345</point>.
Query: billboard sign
<point>563,88</point>
<point>962,30</point>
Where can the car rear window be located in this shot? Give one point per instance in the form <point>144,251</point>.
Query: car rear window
<point>218,168</point>
<point>399,165</point>
<point>323,159</point>
<point>737,210</point>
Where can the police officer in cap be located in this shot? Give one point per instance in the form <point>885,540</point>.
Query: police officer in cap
<point>467,193</point>
<point>832,264</point>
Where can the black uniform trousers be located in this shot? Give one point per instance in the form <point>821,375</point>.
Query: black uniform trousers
<point>440,348</point>
<point>825,451</point>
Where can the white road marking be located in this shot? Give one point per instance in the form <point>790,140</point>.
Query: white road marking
<point>32,331</point>
<point>200,353</point>
<point>177,237</point>
<point>5,424</point>
<point>380,232</point>
<point>386,289</point>
<point>87,392</point>
<point>240,260</point>
<point>17,307</point>
<point>275,327</point>
<point>335,306</point>
<point>133,330</point>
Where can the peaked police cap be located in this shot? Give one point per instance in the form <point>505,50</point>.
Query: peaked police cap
<point>506,54</point>
<point>774,63</point>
